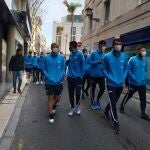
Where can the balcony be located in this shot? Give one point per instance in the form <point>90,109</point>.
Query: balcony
<point>23,21</point>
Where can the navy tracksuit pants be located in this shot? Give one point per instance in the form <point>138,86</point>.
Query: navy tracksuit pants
<point>114,95</point>
<point>74,85</point>
<point>142,95</point>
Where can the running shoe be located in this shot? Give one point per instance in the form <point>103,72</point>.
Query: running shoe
<point>19,91</point>
<point>51,118</point>
<point>37,83</point>
<point>78,110</point>
<point>145,117</point>
<point>98,105</point>
<point>71,112</point>
<point>94,105</point>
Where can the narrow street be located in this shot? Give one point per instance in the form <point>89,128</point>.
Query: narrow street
<point>90,131</point>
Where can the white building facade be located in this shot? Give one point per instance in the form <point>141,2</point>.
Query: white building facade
<point>62,32</point>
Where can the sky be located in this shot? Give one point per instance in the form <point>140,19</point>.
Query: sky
<point>54,10</point>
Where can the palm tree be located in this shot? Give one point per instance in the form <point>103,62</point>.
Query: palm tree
<point>71,9</point>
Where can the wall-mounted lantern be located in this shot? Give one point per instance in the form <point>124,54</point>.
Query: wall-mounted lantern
<point>89,13</point>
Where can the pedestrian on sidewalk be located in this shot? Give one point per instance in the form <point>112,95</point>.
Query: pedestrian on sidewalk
<point>40,65</point>
<point>115,70</point>
<point>16,66</point>
<point>28,61</point>
<point>137,71</point>
<point>75,77</point>
<point>35,69</point>
<point>86,78</point>
<point>97,75</point>
<point>54,71</point>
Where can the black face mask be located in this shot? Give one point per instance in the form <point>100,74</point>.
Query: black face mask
<point>70,49</point>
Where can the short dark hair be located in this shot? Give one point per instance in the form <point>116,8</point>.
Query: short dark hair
<point>102,42</point>
<point>140,47</point>
<point>19,50</point>
<point>53,45</point>
<point>74,44</point>
<point>84,50</point>
<point>116,40</point>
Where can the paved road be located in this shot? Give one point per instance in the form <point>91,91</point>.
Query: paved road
<point>90,131</point>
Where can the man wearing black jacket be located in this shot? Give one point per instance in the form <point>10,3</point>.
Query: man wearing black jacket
<point>16,66</point>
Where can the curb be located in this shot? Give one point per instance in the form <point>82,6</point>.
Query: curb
<point>9,134</point>
<point>7,107</point>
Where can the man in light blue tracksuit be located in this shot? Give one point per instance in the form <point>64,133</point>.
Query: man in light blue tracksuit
<point>96,74</point>
<point>75,76</point>
<point>86,78</point>
<point>54,71</point>
<point>40,65</point>
<point>28,62</point>
<point>137,71</point>
<point>115,70</point>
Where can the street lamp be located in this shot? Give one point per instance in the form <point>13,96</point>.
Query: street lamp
<point>89,13</point>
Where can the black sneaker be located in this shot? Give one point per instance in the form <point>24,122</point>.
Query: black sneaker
<point>107,116</point>
<point>121,109</point>
<point>51,118</point>
<point>19,91</point>
<point>14,91</point>
<point>145,117</point>
<point>116,128</point>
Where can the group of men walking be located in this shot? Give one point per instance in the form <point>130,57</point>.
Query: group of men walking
<point>105,69</point>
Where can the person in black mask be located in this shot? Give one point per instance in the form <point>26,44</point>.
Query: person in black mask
<point>16,66</point>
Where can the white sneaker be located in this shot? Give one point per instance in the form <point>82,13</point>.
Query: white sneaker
<point>41,82</point>
<point>37,83</point>
<point>78,110</point>
<point>71,113</point>
<point>51,120</point>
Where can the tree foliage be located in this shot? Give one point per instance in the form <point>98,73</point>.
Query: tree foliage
<point>72,6</point>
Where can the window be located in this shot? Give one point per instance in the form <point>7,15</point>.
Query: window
<point>74,31</point>
<point>82,30</point>
<point>59,30</point>
<point>73,38</point>
<point>58,40</point>
<point>107,10</point>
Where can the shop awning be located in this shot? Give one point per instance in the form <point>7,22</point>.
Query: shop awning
<point>136,36</point>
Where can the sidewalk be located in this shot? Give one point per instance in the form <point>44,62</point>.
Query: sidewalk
<point>4,89</point>
<point>7,107</point>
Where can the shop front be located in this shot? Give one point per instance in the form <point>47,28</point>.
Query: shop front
<point>132,40</point>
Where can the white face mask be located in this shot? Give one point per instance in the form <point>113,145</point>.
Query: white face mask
<point>103,48</point>
<point>55,50</point>
<point>118,48</point>
<point>143,53</point>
